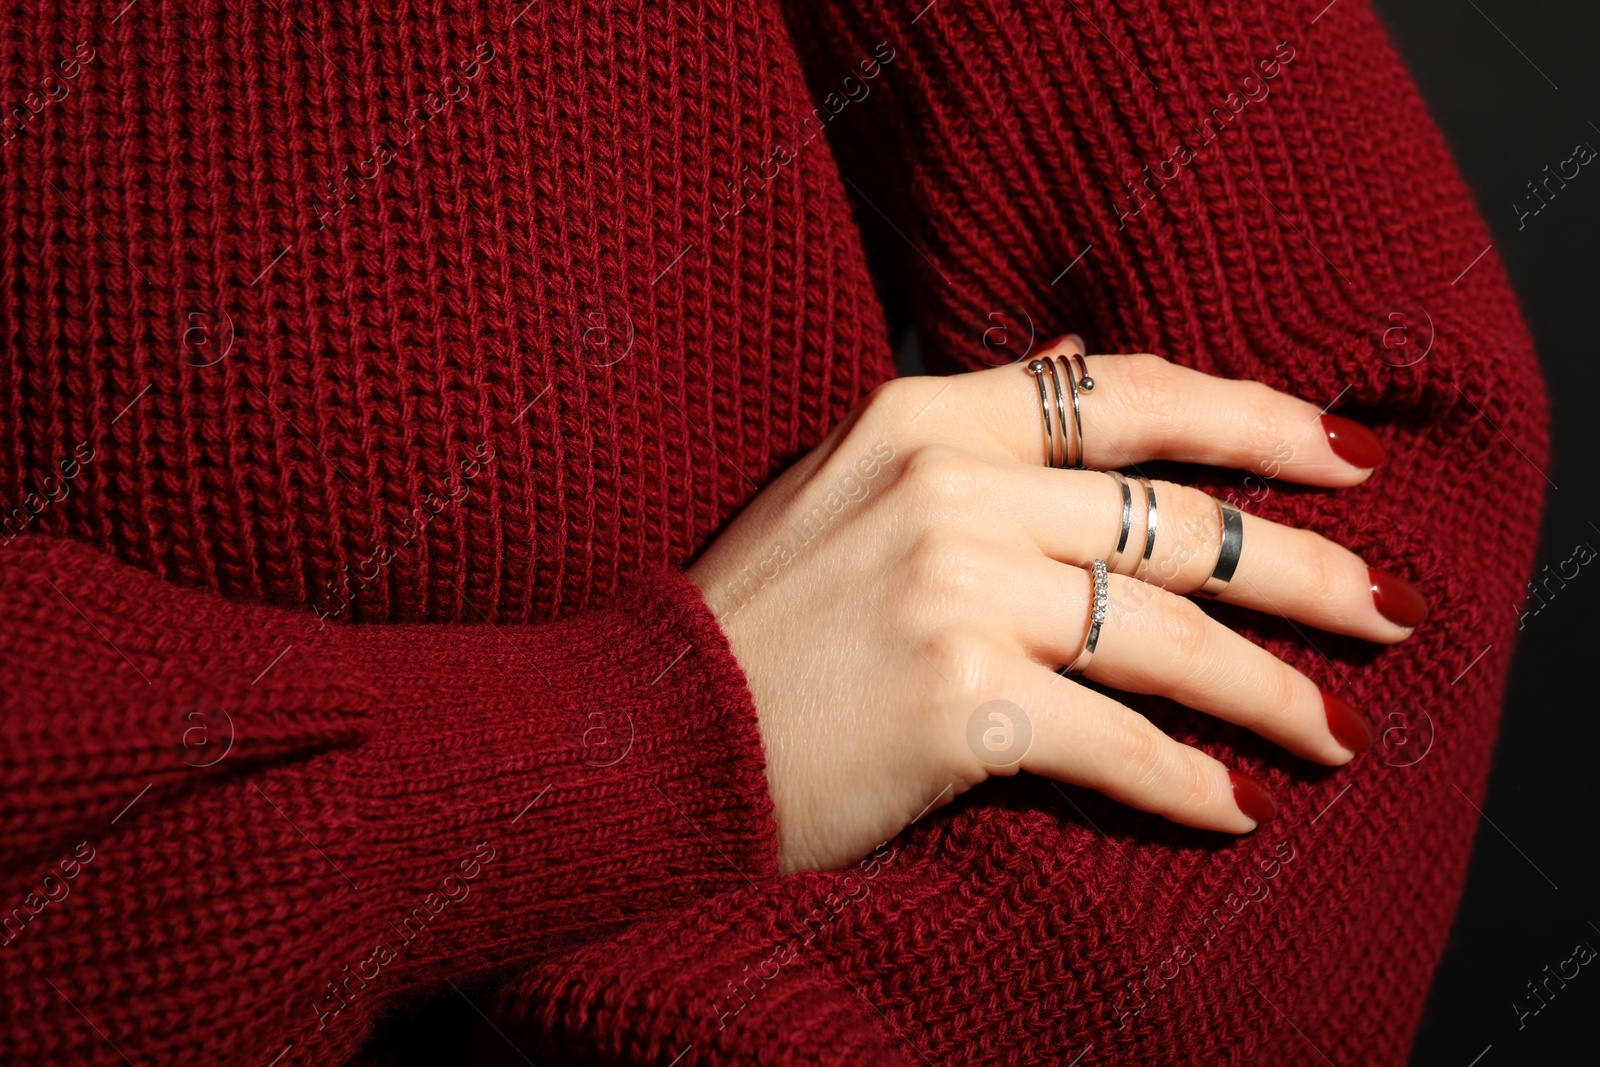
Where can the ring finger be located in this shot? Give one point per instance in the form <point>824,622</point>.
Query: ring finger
<point>1154,642</point>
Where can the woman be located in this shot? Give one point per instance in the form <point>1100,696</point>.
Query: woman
<point>374,372</point>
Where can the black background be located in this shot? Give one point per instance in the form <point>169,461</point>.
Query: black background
<point>1516,86</point>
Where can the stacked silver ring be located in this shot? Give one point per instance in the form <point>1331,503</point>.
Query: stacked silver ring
<point>1036,368</point>
<point>1063,439</point>
<point>1068,444</point>
<point>1085,382</point>
<point>1152,520</point>
<point>1232,546</point>
<point>1097,618</point>
<point>1127,521</point>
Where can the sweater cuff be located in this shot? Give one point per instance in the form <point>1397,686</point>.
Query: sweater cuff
<point>753,986</point>
<point>611,762</point>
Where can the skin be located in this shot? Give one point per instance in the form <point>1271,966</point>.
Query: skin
<point>954,574</point>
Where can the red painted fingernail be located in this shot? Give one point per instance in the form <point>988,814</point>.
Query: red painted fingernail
<point>1252,797</point>
<point>1352,442</point>
<point>1346,724</point>
<point>1397,599</point>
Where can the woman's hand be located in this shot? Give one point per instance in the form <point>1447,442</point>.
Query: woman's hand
<point>902,597</point>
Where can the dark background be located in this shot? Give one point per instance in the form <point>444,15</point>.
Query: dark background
<point>1516,85</point>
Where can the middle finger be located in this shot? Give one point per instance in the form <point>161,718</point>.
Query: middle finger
<point>1076,517</point>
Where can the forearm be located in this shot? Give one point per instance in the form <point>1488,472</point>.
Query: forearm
<point>1259,194</point>
<point>349,814</point>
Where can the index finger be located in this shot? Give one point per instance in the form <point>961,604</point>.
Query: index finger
<point>1144,408</point>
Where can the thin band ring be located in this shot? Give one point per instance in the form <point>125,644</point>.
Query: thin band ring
<point>1061,411</point>
<point>1063,442</point>
<point>1232,545</point>
<point>1036,368</point>
<point>1075,462</point>
<point>1127,520</point>
<point>1085,382</point>
<point>1097,617</point>
<point>1152,520</point>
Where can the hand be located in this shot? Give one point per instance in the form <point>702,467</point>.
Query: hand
<point>923,562</point>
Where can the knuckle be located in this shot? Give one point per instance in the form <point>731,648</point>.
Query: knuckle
<point>1186,629</point>
<point>962,658</point>
<point>1323,578</point>
<point>888,397</point>
<point>1148,387</point>
<point>1262,401</point>
<point>896,401</point>
<point>1285,693</point>
<point>1194,785</point>
<point>945,561</point>
<point>941,477</point>
<point>886,410</point>
<point>1144,755</point>
<point>1194,528</point>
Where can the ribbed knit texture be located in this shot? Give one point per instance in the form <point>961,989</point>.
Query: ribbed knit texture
<point>374,443</point>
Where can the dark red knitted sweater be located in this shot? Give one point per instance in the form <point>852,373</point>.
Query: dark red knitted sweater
<point>370,370</point>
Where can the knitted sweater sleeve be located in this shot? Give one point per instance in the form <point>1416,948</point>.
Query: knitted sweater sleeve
<point>348,814</point>
<point>1252,187</point>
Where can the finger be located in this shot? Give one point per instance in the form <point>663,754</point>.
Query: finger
<point>1077,517</point>
<point>1086,738</point>
<point>1154,642</point>
<point>1281,570</point>
<point>1145,408</point>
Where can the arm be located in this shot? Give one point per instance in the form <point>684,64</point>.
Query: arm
<point>1260,194</point>
<point>1000,141</point>
<point>229,829</point>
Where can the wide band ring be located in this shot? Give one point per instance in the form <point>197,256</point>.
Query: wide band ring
<point>1097,618</point>
<point>1232,545</point>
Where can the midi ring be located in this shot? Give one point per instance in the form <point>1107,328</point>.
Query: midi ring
<point>1232,545</point>
<point>1037,369</point>
<point>1063,439</point>
<point>1068,443</point>
<point>1085,382</point>
<point>1127,520</point>
<point>1075,382</point>
<point>1151,521</point>
<point>1056,448</point>
<point>1097,617</point>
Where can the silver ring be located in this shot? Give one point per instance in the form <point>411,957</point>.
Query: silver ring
<point>1097,617</point>
<point>1152,520</point>
<point>1036,368</point>
<point>1085,382</point>
<point>1061,412</point>
<point>1232,544</point>
<point>1075,462</point>
<point>1127,520</point>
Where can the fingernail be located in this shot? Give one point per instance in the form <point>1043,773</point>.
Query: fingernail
<point>1397,599</point>
<point>1353,442</point>
<point>1345,724</point>
<point>1252,797</point>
